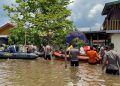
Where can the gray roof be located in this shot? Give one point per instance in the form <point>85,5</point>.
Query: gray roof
<point>100,31</point>
<point>103,31</point>
<point>112,31</point>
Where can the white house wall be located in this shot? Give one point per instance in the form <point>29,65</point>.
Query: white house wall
<point>115,38</point>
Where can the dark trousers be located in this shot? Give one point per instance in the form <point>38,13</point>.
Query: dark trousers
<point>74,63</point>
<point>48,57</point>
<point>114,72</point>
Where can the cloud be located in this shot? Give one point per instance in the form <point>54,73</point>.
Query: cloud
<point>84,29</point>
<point>97,26</point>
<point>72,3</point>
<point>85,13</point>
<point>89,13</point>
<point>96,9</point>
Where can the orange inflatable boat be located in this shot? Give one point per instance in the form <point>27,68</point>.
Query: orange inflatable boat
<point>60,56</point>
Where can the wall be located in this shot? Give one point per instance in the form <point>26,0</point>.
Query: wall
<point>115,38</point>
<point>5,32</point>
<point>3,40</point>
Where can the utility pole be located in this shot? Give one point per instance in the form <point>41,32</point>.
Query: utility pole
<point>91,39</point>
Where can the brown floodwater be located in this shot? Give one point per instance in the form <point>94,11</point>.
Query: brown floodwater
<point>40,72</point>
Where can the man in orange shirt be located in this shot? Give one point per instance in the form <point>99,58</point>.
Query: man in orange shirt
<point>94,58</point>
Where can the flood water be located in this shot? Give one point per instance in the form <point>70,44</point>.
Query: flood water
<point>40,72</point>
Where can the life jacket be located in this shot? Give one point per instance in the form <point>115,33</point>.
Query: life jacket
<point>86,48</point>
<point>93,56</point>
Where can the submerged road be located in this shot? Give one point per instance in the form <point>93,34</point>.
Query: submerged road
<point>40,72</point>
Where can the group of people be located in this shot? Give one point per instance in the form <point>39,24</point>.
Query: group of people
<point>9,48</point>
<point>109,59</point>
<point>13,48</point>
<point>28,48</point>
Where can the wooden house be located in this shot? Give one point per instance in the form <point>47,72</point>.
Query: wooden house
<point>112,12</point>
<point>4,32</point>
<point>111,23</point>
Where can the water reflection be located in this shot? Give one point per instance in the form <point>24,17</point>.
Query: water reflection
<point>74,78</point>
<point>52,73</point>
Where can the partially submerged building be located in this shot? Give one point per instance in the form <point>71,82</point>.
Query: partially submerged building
<point>111,23</point>
<point>4,32</point>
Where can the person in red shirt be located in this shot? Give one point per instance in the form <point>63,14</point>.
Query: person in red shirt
<point>94,58</point>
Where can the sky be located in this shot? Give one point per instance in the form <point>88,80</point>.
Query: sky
<point>3,17</point>
<point>86,14</point>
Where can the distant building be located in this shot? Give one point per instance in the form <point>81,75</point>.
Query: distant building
<point>4,32</point>
<point>112,22</point>
<point>97,38</point>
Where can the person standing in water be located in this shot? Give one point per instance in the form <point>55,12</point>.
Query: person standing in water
<point>74,53</point>
<point>48,52</point>
<point>111,61</point>
<point>94,58</point>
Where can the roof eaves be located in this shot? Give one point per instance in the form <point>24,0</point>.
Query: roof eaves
<point>7,25</point>
<point>108,6</point>
<point>101,31</point>
<point>112,31</point>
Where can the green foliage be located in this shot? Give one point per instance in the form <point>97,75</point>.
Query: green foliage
<point>78,41</point>
<point>36,18</point>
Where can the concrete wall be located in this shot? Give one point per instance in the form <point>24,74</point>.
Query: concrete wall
<point>115,38</point>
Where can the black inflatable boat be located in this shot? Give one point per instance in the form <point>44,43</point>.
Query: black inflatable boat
<point>19,55</point>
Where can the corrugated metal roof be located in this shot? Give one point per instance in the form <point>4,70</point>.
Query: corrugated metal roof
<point>108,6</point>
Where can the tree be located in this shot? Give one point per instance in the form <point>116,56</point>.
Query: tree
<point>37,17</point>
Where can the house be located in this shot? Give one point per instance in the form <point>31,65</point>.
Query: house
<point>4,32</point>
<point>97,38</point>
<point>112,22</point>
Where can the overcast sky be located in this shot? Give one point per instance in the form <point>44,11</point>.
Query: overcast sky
<point>86,14</point>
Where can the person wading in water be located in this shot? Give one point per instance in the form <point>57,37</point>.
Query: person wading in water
<point>48,52</point>
<point>111,61</point>
<point>94,58</point>
<point>74,53</point>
